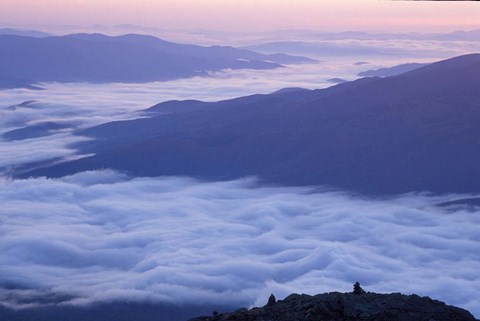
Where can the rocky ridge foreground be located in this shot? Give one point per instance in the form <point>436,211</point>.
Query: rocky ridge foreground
<point>337,306</point>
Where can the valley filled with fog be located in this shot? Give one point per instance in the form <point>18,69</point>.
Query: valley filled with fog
<point>102,236</point>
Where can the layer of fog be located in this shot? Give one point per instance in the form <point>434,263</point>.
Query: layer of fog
<point>101,236</point>
<point>401,48</point>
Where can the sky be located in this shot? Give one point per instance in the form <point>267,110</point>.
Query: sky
<point>248,15</point>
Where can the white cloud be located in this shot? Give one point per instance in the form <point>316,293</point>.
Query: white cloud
<point>37,149</point>
<point>102,236</point>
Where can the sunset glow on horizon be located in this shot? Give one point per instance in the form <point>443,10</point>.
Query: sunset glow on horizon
<point>249,15</point>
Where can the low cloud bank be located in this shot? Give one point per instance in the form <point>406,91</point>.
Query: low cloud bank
<point>102,236</point>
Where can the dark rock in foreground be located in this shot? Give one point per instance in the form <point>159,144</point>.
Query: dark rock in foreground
<point>337,306</point>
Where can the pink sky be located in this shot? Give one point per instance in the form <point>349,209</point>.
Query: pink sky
<point>248,15</point>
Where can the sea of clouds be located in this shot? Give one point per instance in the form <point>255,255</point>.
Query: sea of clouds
<point>103,236</point>
<point>372,49</point>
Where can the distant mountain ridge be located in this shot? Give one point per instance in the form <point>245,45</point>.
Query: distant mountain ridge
<point>413,132</point>
<point>392,71</point>
<point>23,32</point>
<point>128,58</point>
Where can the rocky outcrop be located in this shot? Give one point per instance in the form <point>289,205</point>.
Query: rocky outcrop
<point>337,306</point>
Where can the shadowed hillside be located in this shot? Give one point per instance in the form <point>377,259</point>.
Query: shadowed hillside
<point>412,132</point>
